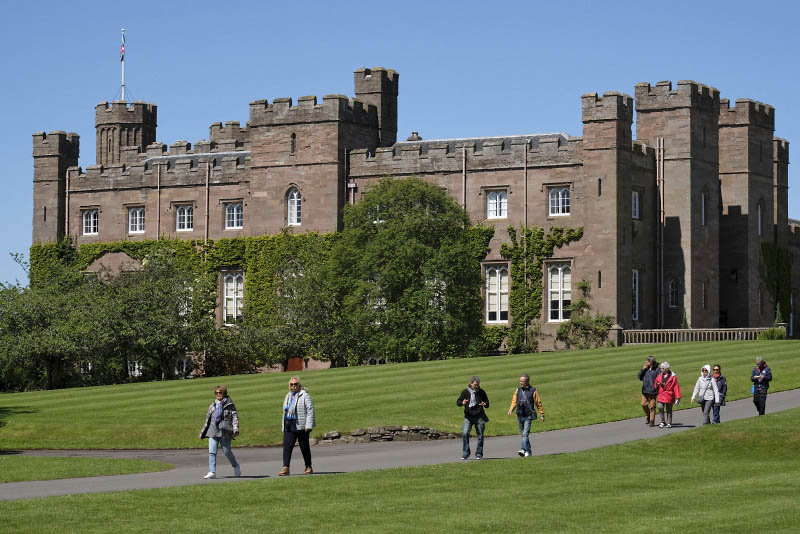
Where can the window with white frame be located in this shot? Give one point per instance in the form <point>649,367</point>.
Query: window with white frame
<point>559,201</point>
<point>184,217</point>
<point>295,206</point>
<point>496,294</point>
<point>136,220</point>
<point>559,291</point>
<point>134,369</point>
<point>91,221</point>
<point>635,296</point>
<point>673,293</point>
<point>635,205</point>
<point>497,204</point>
<point>234,216</point>
<point>233,297</point>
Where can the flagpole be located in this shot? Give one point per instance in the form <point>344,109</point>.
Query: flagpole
<point>122,60</point>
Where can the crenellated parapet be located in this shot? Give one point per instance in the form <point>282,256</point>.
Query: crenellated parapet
<point>334,108</point>
<point>780,150</point>
<point>611,106</point>
<point>120,112</point>
<point>230,136</point>
<point>491,153</point>
<point>688,94</point>
<point>56,143</point>
<point>123,129</point>
<point>746,112</point>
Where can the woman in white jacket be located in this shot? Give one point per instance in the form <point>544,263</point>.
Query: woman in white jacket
<point>706,392</point>
<point>297,422</point>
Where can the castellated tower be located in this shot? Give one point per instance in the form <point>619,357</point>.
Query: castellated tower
<point>53,153</point>
<point>121,128</point>
<point>748,209</point>
<point>686,117</point>
<point>606,144</point>
<point>378,87</point>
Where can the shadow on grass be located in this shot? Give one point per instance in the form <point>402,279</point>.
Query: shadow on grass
<point>7,411</point>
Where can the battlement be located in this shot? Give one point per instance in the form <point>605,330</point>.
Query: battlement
<point>611,106</point>
<point>688,94</point>
<point>120,112</point>
<point>308,110</point>
<point>231,130</point>
<point>746,112</point>
<point>56,143</point>
<point>376,80</point>
<point>780,150</point>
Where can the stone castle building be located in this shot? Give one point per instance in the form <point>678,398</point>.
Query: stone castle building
<point>673,221</point>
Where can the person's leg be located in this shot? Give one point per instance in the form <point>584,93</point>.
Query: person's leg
<point>305,448</point>
<point>479,427</point>
<point>707,404</point>
<point>288,444</point>
<point>213,444</point>
<point>524,432</point>
<point>669,413</point>
<point>715,410</point>
<point>646,407</point>
<point>651,405</point>
<point>466,426</point>
<point>226,449</point>
<point>661,407</point>
<point>760,400</point>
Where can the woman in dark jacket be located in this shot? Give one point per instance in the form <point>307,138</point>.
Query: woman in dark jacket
<point>222,425</point>
<point>474,400</point>
<point>722,386</point>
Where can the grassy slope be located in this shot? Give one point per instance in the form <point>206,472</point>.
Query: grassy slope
<point>577,388</point>
<point>740,476</point>
<point>15,468</point>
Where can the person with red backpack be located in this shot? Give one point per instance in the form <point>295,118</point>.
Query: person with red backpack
<point>668,393</point>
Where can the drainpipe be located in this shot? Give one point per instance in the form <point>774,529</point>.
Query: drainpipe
<point>66,211</point>
<point>525,229</point>
<point>208,176</point>
<point>464,176</point>
<point>661,214</point>
<point>158,201</point>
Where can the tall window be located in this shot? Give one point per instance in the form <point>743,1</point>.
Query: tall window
<point>673,293</point>
<point>635,296</point>
<point>635,204</point>
<point>293,144</point>
<point>91,221</point>
<point>234,215</point>
<point>295,205</point>
<point>135,220</point>
<point>184,218</point>
<point>759,215</point>
<point>496,205</point>
<point>559,290</point>
<point>703,202</point>
<point>703,295</point>
<point>559,201</point>
<point>496,294</point>
<point>233,297</point>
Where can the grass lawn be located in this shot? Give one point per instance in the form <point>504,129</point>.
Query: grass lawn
<point>577,388</point>
<point>740,476</point>
<point>14,468</point>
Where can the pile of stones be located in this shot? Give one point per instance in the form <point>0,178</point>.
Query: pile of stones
<point>386,433</point>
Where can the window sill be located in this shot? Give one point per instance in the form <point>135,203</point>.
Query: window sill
<point>185,230</point>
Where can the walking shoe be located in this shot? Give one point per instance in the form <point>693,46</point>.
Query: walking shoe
<point>479,457</point>
<point>661,425</point>
<point>308,471</point>
<point>521,453</point>
<point>527,454</point>
<point>284,472</point>
<point>210,474</point>
<point>237,471</point>
<point>464,457</point>
<point>669,425</point>
<point>652,424</point>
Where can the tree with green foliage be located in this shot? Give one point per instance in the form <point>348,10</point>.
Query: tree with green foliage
<point>583,330</point>
<point>406,275</point>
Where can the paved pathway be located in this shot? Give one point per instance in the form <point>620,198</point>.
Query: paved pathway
<point>265,462</point>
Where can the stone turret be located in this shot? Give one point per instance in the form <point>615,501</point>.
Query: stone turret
<point>379,87</point>
<point>53,153</point>
<point>121,127</point>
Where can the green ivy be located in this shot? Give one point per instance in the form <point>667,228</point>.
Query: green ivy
<point>527,251</point>
<point>776,273</point>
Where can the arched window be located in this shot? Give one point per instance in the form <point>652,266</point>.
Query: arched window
<point>559,201</point>
<point>184,218</point>
<point>91,221</point>
<point>559,289</point>
<point>293,144</point>
<point>234,215</point>
<point>673,293</point>
<point>496,294</point>
<point>233,297</point>
<point>135,220</point>
<point>496,205</point>
<point>294,203</point>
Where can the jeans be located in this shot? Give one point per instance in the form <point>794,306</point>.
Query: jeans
<point>524,431</point>
<point>213,445</point>
<point>466,427</point>
<point>715,410</point>
<point>289,439</point>
<point>705,406</point>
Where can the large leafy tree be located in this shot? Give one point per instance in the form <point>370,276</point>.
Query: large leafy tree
<point>405,275</point>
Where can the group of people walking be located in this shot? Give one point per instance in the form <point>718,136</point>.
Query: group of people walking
<point>297,421</point>
<point>660,388</point>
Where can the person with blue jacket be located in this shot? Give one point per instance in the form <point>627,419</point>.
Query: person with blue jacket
<point>761,377</point>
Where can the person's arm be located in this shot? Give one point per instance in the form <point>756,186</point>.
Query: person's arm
<point>207,423</point>
<point>485,398</point>
<point>641,373</point>
<point>461,398</point>
<point>723,388</point>
<point>235,418</point>
<point>696,390</point>
<point>768,374</point>
<point>756,375</point>
<point>310,420</point>
<point>538,403</point>
<point>716,390</point>
<point>513,402</point>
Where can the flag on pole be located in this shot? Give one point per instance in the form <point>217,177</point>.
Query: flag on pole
<point>122,49</point>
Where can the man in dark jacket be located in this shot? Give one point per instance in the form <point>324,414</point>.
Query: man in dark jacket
<point>760,377</point>
<point>648,375</point>
<point>474,400</point>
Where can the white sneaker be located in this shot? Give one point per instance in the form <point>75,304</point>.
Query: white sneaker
<point>521,453</point>
<point>237,471</point>
<point>527,454</point>
<point>210,474</point>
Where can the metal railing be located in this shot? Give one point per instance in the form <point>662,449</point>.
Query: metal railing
<point>640,337</point>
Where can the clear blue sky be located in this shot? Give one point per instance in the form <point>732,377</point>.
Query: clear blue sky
<point>466,68</point>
